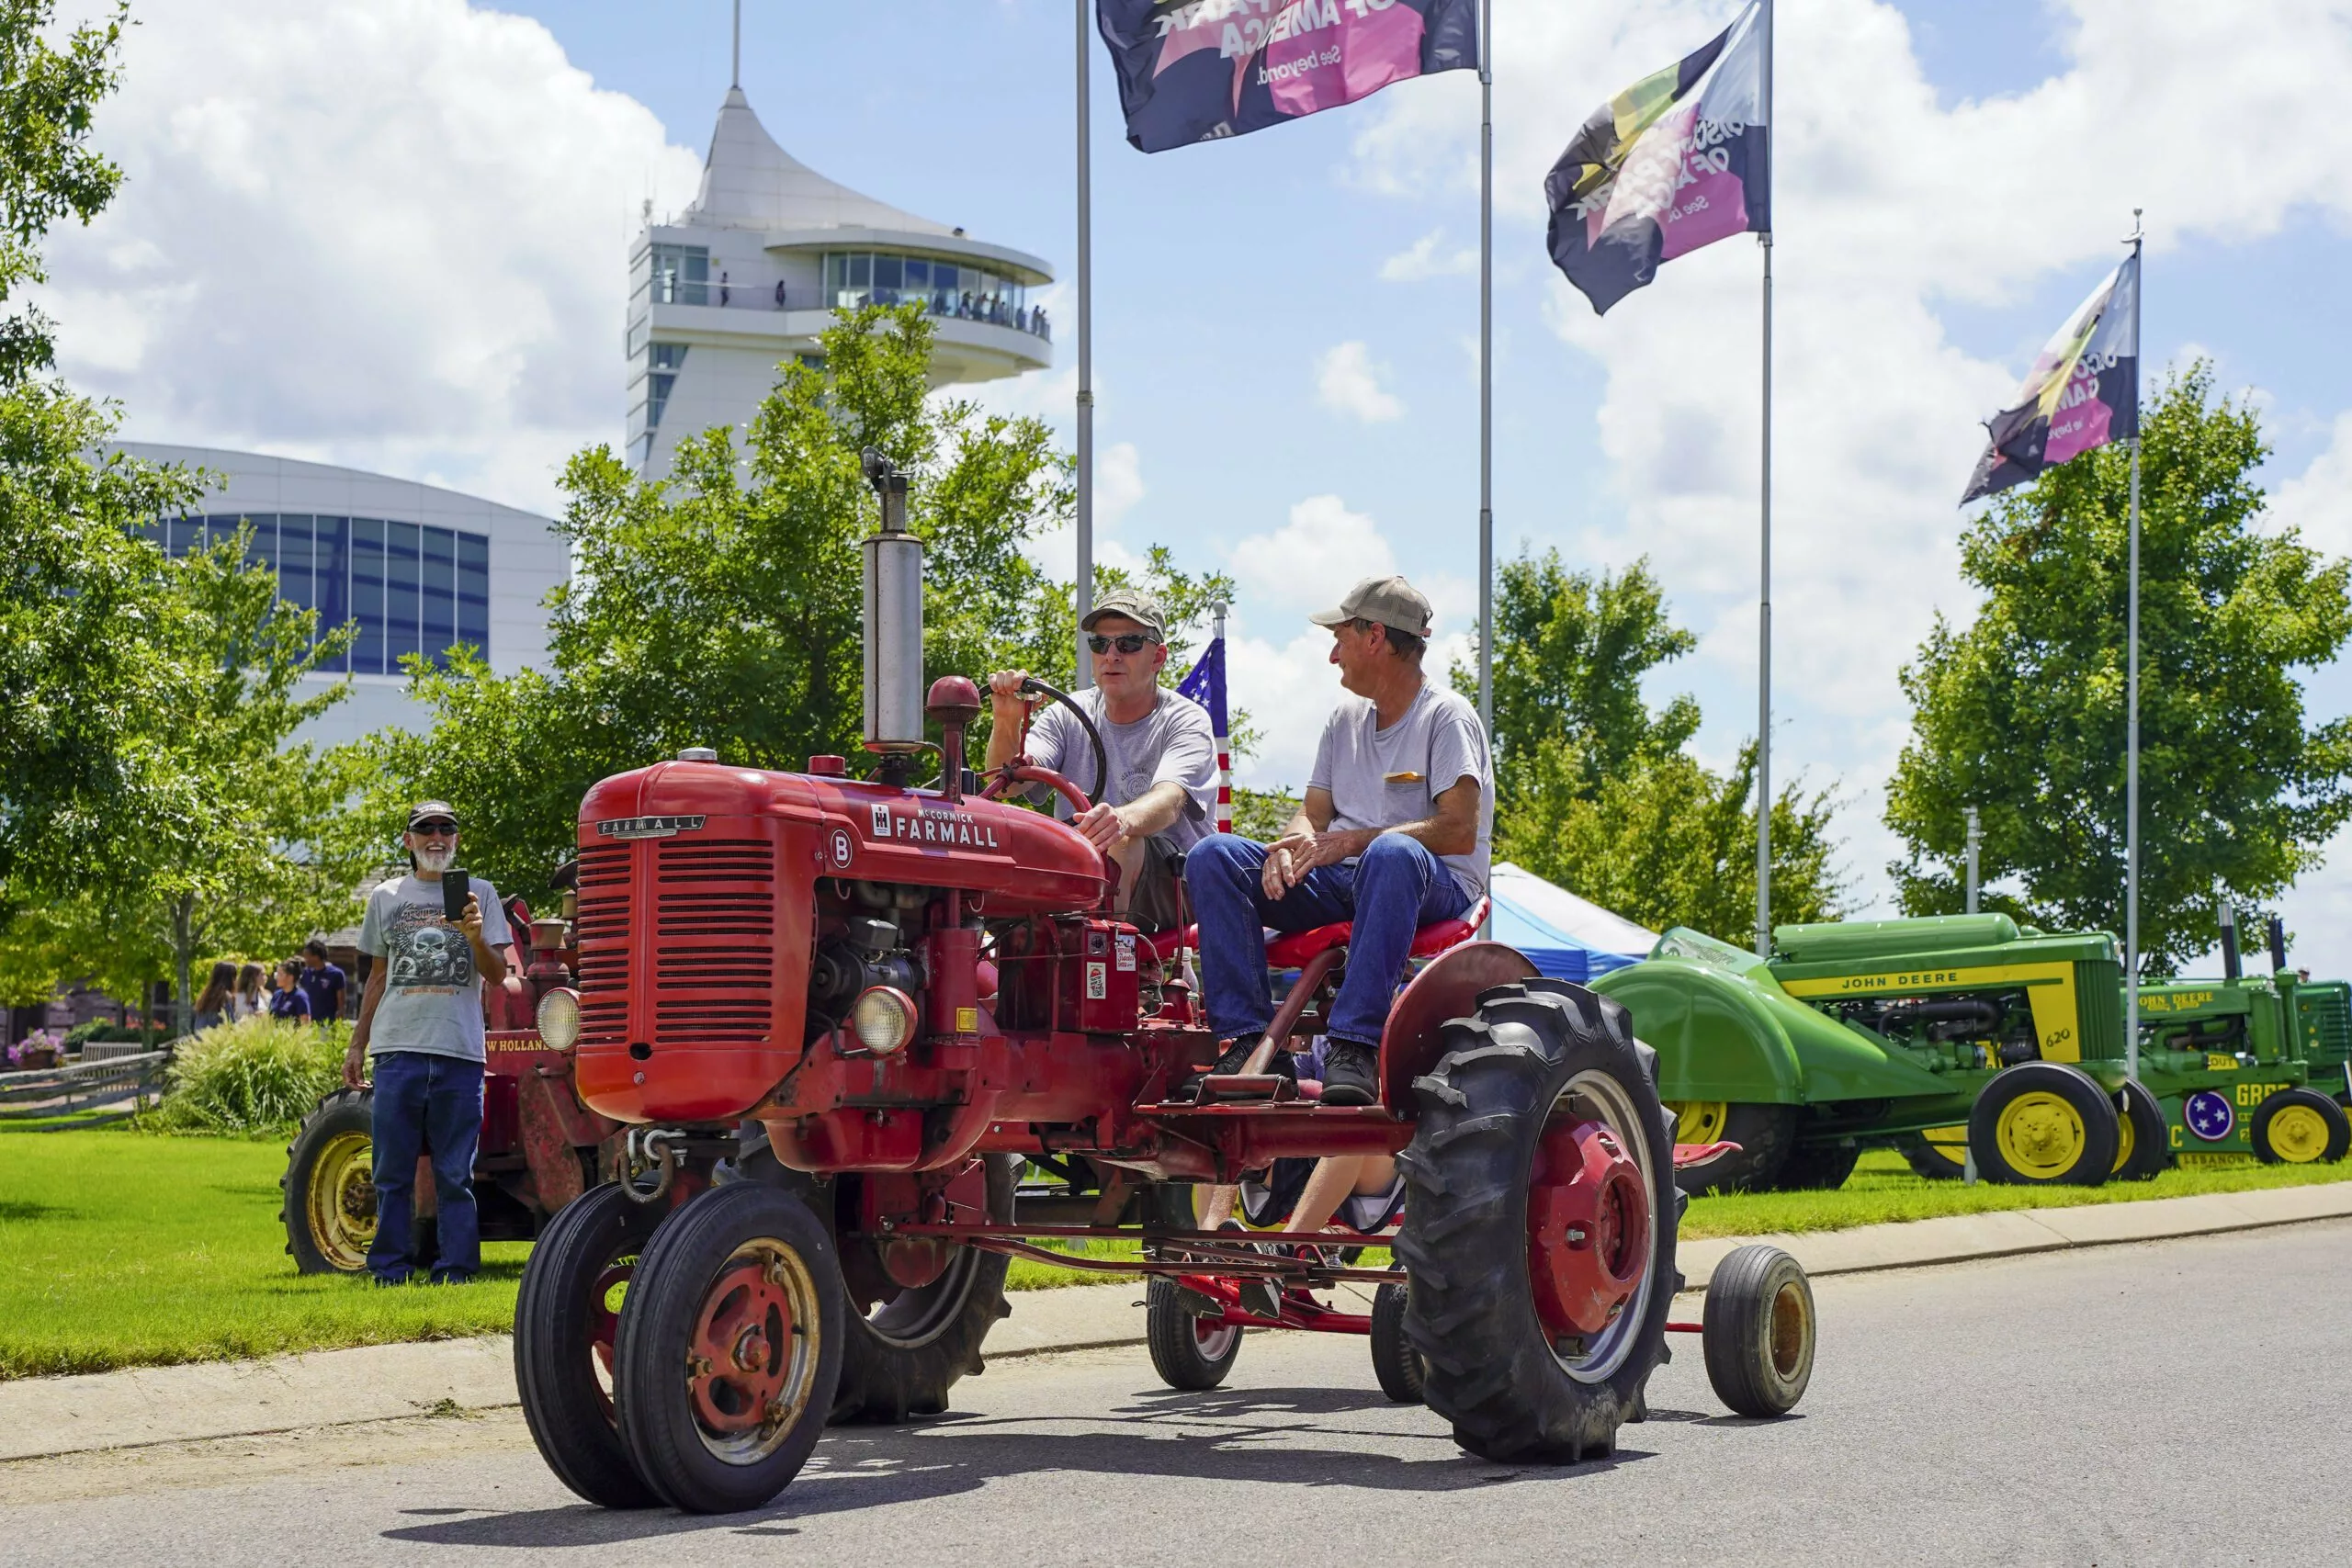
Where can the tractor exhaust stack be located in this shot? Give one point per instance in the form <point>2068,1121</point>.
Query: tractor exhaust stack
<point>2229,943</point>
<point>894,691</point>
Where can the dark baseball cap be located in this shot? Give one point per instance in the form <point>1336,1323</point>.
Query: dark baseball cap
<point>1135,606</point>
<point>425,811</point>
<point>1390,601</point>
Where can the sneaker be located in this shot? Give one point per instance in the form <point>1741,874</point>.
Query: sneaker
<point>1351,1073</point>
<point>1236,1057</point>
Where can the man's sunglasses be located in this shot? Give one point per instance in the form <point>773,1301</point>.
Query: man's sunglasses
<point>435,830</point>
<point>1133,642</point>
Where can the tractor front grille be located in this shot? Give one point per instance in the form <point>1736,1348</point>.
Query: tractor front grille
<point>602,932</point>
<point>713,949</point>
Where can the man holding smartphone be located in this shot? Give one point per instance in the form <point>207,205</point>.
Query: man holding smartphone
<point>434,935</point>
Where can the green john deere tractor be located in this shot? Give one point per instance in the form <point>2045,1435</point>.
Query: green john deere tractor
<point>1860,1032</point>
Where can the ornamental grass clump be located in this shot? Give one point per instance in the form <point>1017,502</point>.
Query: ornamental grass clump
<point>259,1076</point>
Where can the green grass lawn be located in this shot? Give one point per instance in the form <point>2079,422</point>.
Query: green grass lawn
<point>121,1248</point>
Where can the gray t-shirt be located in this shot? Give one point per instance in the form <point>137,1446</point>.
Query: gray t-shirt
<point>1381,778</point>
<point>1171,744</point>
<point>432,1000</point>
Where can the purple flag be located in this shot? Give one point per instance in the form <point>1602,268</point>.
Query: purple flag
<point>1203,70</point>
<point>2083,391</point>
<point>1677,161</point>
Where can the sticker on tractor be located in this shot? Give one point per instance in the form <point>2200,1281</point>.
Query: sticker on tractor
<point>842,847</point>
<point>1098,982</point>
<point>2217,1063</point>
<point>968,1021</point>
<point>2209,1115</point>
<point>1126,954</point>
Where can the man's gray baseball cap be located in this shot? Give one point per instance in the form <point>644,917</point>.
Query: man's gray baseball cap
<point>1138,606</point>
<point>431,811</point>
<point>1390,601</point>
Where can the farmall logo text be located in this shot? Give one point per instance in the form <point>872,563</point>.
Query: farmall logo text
<point>948,830</point>
<point>648,827</point>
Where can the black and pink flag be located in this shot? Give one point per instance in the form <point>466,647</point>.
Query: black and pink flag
<point>2083,391</point>
<point>1203,70</point>
<point>1677,161</point>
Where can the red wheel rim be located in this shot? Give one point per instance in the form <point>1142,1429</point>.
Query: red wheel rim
<point>1587,1229</point>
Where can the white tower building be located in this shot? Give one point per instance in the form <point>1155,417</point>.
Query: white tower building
<point>751,271</point>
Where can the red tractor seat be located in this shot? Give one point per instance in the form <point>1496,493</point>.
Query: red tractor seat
<point>1292,949</point>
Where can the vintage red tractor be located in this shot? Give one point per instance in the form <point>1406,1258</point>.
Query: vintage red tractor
<point>838,1014</point>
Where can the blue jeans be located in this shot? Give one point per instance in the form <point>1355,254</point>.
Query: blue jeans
<point>1396,887</point>
<point>425,1103</point>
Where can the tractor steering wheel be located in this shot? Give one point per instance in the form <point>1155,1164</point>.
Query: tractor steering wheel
<point>1079,800</point>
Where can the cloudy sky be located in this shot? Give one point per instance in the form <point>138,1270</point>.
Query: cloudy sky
<point>392,233</point>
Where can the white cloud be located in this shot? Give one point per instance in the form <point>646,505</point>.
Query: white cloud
<point>1422,262</point>
<point>1347,382</point>
<point>1889,204</point>
<point>392,234</point>
<point>2319,500</point>
<point>1118,482</point>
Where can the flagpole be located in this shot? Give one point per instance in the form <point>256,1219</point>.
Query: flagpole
<point>1083,592</point>
<point>1764,577</point>
<point>2131,705</point>
<point>1224,745</point>
<point>1486,373</point>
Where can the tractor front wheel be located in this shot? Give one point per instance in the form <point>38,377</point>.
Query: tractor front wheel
<point>2299,1126</point>
<point>566,1317</point>
<point>730,1348</point>
<point>2043,1124</point>
<point>328,1193</point>
<point>2143,1146</point>
<point>1393,1360</point>
<point>1939,1154</point>
<point>1757,1333</point>
<point>1539,1225</point>
<point>1191,1354</point>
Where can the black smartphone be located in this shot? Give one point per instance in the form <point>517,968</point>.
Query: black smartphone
<point>456,885</point>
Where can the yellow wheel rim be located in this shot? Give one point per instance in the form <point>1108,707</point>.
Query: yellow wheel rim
<point>2039,1136</point>
<point>1699,1120</point>
<point>341,1203</point>
<point>2298,1135</point>
<point>2122,1138</point>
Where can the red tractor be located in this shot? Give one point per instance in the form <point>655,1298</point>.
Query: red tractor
<point>838,1015</point>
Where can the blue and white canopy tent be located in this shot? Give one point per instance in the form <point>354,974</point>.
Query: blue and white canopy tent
<point>1566,937</point>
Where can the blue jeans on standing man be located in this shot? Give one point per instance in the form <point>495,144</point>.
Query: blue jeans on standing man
<point>426,1103</point>
<point>1394,889</point>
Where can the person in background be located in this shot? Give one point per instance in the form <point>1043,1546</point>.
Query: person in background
<point>421,1021</point>
<point>287,1001</point>
<point>322,982</point>
<point>212,1003</point>
<point>248,998</point>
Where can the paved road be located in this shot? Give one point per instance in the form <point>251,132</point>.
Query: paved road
<point>2179,1402</point>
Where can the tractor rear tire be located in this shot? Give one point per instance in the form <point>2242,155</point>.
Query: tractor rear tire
<point>902,1359</point>
<point>327,1197</point>
<point>2143,1151</point>
<point>1816,1168</point>
<point>1540,1056</point>
<point>2299,1126</point>
<point>1759,1331</point>
<point>730,1348</point>
<point>2043,1124</point>
<point>1766,1136</point>
<point>1190,1356</point>
<point>1933,1161</point>
<point>565,1317</point>
<point>1398,1366</point>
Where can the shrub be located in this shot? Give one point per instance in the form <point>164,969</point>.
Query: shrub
<point>257,1076</point>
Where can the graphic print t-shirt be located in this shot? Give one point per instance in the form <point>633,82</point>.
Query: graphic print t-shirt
<point>432,992</point>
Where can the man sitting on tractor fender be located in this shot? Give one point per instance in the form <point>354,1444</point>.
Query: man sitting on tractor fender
<point>1393,834</point>
<point>1162,753</point>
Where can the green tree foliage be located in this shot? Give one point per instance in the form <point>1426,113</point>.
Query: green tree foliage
<point>2022,712</point>
<point>50,89</point>
<point>721,607</point>
<point>1594,787</point>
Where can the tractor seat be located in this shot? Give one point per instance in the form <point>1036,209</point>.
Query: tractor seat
<point>1293,949</point>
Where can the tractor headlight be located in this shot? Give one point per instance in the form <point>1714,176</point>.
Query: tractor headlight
<point>558,1019</point>
<point>884,1018</point>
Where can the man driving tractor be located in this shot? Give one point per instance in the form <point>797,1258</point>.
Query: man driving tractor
<point>1161,790</point>
<point>1393,834</point>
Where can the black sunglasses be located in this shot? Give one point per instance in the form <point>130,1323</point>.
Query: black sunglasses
<point>1133,642</point>
<point>435,830</point>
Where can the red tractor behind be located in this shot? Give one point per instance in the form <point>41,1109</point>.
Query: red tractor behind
<point>837,1015</point>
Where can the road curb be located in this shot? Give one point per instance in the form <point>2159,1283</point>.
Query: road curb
<point>148,1406</point>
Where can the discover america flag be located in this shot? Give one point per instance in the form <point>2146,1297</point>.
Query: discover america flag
<point>2083,391</point>
<point>1203,70</point>
<point>1677,161</point>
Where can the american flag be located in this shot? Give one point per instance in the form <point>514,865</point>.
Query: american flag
<point>1206,685</point>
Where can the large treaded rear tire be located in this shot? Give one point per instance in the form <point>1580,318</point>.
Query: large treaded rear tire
<point>1490,1366</point>
<point>560,1313</point>
<point>1816,1168</point>
<point>903,1357</point>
